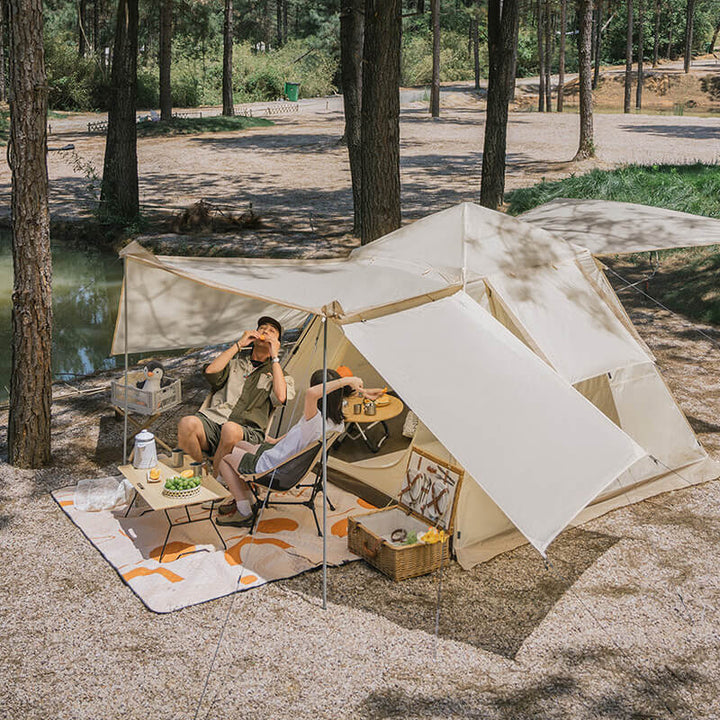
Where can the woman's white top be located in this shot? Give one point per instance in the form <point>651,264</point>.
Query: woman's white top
<point>300,435</point>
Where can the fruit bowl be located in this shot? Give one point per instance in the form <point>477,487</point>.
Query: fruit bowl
<point>181,488</point>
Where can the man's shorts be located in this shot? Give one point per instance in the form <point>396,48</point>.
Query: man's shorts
<point>212,430</point>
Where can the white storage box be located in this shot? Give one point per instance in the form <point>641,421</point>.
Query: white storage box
<point>144,402</point>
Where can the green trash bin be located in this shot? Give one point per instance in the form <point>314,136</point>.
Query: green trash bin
<point>292,89</point>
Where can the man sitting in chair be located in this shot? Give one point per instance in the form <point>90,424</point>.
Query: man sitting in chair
<point>247,382</point>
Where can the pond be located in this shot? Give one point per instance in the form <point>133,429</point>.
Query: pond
<point>86,292</point>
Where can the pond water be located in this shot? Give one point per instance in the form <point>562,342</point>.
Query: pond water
<point>86,292</point>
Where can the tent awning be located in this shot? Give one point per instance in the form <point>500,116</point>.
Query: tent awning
<point>539,449</point>
<point>605,227</point>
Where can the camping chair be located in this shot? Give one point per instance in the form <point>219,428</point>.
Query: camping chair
<point>295,472</point>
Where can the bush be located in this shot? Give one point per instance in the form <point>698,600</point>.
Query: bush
<point>148,88</point>
<point>455,62</point>
<point>73,81</point>
<point>264,84</point>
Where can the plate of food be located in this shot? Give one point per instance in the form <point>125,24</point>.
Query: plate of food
<point>382,401</point>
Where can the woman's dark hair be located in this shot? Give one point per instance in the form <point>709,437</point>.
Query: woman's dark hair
<point>334,398</point>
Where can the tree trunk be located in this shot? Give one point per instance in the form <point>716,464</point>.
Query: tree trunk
<point>31,379</point>
<point>285,20</point>
<point>227,79</point>
<point>586,146</point>
<point>689,22</point>
<point>119,194</point>
<point>561,58</point>
<point>668,54</point>
<point>351,52</point>
<point>166,17</point>
<point>716,32</point>
<point>476,51</point>
<point>501,41</point>
<point>435,89</point>
<point>82,39</point>
<point>381,119</point>
<point>548,57</point>
<point>656,36</point>
<point>278,22</point>
<point>598,46</point>
<point>541,54</point>
<point>3,94</point>
<point>96,26</point>
<point>628,57</point>
<point>640,52</point>
<point>513,67</point>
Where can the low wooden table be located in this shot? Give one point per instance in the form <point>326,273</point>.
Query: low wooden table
<point>152,493</point>
<point>355,421</point>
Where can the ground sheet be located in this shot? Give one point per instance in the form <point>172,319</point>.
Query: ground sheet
<point>285,543</point>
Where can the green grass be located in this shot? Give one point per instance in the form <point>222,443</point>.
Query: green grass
<point>195,126</point>
<point>688,279</point>
<point>687,188</point>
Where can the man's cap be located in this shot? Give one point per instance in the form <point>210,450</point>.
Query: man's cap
<point>267,320</point>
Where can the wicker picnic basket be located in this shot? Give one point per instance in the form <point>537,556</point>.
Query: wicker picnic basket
<point>398,562</point>
<point>368,534</point>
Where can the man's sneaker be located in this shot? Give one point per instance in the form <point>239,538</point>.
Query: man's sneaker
<point>226,508</point>
<point>236,520</point>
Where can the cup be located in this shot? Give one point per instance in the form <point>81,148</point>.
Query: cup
<point>358,408</point>
<point>370,409</point>
<point>197,468</point>
<point>178,457</point>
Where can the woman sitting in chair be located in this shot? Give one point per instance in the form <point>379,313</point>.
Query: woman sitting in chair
<point>248,459</point>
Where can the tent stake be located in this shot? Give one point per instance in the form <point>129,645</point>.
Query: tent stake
<point>324,463</point>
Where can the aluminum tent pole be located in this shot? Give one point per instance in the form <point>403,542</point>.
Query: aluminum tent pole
<point>324,462</point>
<point>125,312</point>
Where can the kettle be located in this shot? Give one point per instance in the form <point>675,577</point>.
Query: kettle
<point>145,452</point>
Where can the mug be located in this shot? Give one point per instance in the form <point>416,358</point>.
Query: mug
<point>357,408</point>
<point>178,457</point>
<point>197,468</point>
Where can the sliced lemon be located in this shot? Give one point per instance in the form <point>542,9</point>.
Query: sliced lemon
<point>186,474</point>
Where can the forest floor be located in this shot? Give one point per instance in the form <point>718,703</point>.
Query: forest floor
<point>623,624</point>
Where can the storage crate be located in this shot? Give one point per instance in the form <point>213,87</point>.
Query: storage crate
<point>144,402</point>
<point>429,480</point>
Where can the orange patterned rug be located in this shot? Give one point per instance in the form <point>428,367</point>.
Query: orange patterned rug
<point>286,543</point>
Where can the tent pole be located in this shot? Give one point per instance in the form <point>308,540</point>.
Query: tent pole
<point>324,462</point>
<point>125,312</point>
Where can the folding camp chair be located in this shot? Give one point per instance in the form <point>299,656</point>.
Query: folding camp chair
<point>292,474</point>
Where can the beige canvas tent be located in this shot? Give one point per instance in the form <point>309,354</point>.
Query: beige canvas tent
<point>506,341</point>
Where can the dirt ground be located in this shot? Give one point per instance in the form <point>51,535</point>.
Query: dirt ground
<point>623,623</point>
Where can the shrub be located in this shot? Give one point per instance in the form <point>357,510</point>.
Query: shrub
<point>72,81</point>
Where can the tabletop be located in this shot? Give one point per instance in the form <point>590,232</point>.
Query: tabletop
<point>383,412</point>
<point>152,492</point>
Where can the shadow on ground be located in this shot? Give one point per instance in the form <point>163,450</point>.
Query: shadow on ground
<point>494,606</point>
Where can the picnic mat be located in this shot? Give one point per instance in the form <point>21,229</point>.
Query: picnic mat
<point>286,543</point>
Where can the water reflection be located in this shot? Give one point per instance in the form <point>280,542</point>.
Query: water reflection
<point>86,292</point>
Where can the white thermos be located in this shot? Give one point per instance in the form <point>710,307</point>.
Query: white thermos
<point>145,453</point>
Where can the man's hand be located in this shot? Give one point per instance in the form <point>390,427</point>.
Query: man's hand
<point>274,344</point>
<point>248,337</point>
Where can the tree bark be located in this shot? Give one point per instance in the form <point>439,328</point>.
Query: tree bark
<point>96,26</point>
<point>513,67</point>
<point>82,39</point>
<point>351,52</point>
<point>166,18</point>
<point>435,88</point>
<point>541,53</point>
<point>31,379</point>
<point>381,119</point>
<point>227,79</point>
<point>668,54</point>
<point>586,146</point>
<point>598,45</point>
<point>285,20</point>
<point>689,22</point>
<point>548,57</point>
<point>3,24</point>
<point>628,57</point>
<point>640,53</point>
<point>278,22</point>
<point>716,32</point>
<point>501,42</point>
<point>119,194</point>
<point>561,58</point>
<point>656,37</point>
